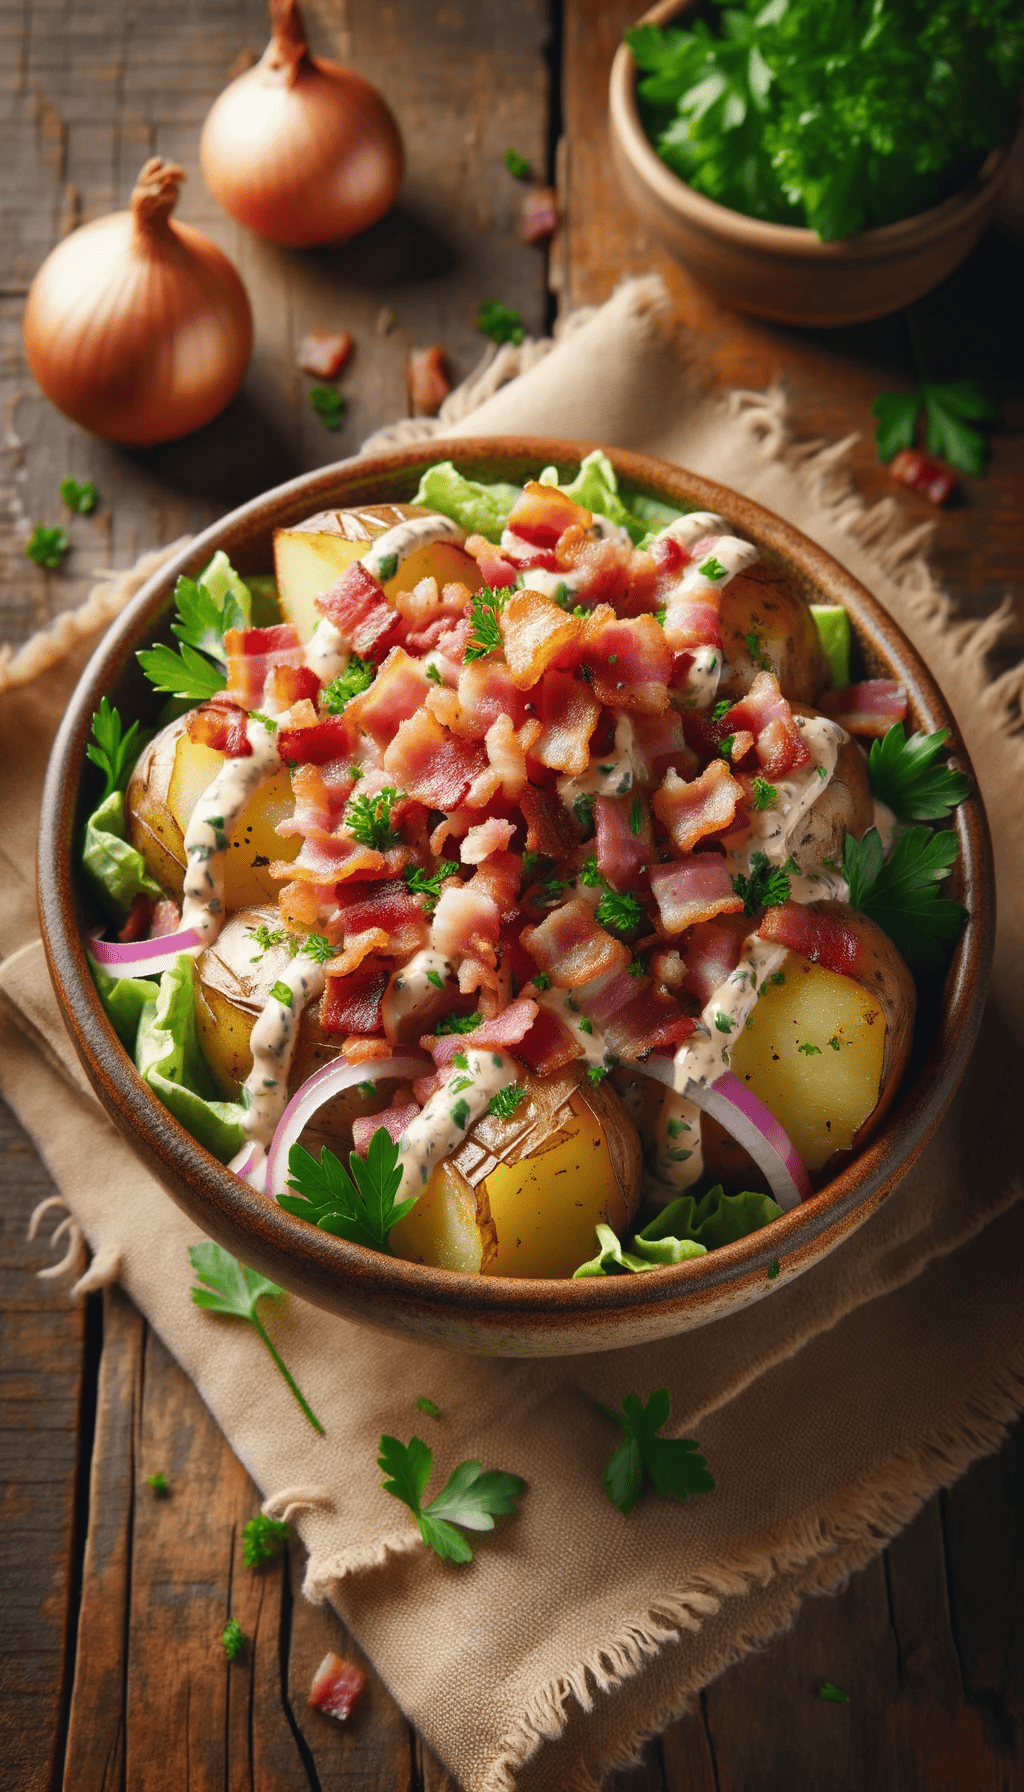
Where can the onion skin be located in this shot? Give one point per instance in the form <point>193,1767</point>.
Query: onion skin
<point>299,149</point>
<point>138,327</point>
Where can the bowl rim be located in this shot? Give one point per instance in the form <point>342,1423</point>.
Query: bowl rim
<point>796,242</point>
<point>228,1208</point>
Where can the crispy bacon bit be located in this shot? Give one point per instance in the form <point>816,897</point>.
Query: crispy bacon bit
<point>137,925</point>
<point>252,655</point>
<point>395,1119</point>
<point>486,691</point>
<point>923,474</point>
<point>506,1029</point>
<point>328,739</point>
<point>869,709</point>
<point>628,661</point>
<point>316,807</point>
<point>652,1021</point>
<point>386,903</point>
<point>221,726</point>
<point>427,380</point>
<point>166,919</point>
<point>765,713</point>
<point>357,605</point>
<point>299,903</point>
<point>692,619</point>
<point>549,830</point>
<point>543,513</point>
<point>432,764</point>
<point>466,922</point>
<point>568,715</point>
<point>692,890</point>
<point>659,742</point>
<point>536,633</point>
<point>601,568</point>
<point>329,859</point>
<point>713,949</point>
<point>357,1050</point>
<point>498,572</point>
<point>397,692</point>
<point>689,812</point>
<point>323,353</point>
<point>572,947</point>
<point>539,216</point>
<point>355,1003</point>
<point>287,685</point>
<point>548,1045</point>
<point>485,838</point>
<point>336,1686</point>
<point>505,755</point>
<point>500,875</point>
<point>821,938</point>
<point>623,851</point>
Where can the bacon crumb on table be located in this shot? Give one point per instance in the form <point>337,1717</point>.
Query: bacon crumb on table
<point>323,353</point>
<point>336,1686</point>
<point>427,380</point>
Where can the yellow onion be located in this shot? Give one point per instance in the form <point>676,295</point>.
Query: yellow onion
<point>136,326</point>
<point>300,149</point>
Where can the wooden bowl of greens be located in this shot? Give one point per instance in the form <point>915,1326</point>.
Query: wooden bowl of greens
<point>806,168</point>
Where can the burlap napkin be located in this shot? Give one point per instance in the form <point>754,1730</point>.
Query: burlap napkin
<point>828,1412</point>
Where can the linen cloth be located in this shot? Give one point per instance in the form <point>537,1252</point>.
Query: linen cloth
<point>828,1412</point>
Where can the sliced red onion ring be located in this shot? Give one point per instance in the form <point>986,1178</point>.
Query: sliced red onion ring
<point>749,1122</point>
<point>246,1160</point>
<point>135,958</point>
<point>319,1089</point>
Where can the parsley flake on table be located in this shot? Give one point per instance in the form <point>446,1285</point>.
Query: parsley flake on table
<point>159,1483</point>
<point>832,1694</point>
<point>329,405</point>
<point>233,1638</point>
<point>673,1466</point>
<point>428,885</point>
<point>518,165</point>
<point>904,775</point>
<point>359,1203</point>
<point>47,547</point>
<point>229,1288</point>
<point>766,887</point>
<point>368,819</point>
<point>262,1539</point>
<point>113,748</point>
<point>485,607</point>
<point>82,499</point>
<point>502,323</point>
<point>356,678</point>
<point>949,412</point>
<point>901,894</point>
<point>469,1498</point>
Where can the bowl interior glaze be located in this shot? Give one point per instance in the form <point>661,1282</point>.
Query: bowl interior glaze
<point>492,1316</point>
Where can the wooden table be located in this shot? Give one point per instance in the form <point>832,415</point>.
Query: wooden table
<point>112,1599</point>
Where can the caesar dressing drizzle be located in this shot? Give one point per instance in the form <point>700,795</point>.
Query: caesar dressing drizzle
<point>414,986</point>
<point>213,821</point>
<point>272,1043</point>
<point>443,1123</point>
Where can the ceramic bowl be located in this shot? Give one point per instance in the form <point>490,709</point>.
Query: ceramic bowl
<point>778,271</point>
<point>481,1314</point>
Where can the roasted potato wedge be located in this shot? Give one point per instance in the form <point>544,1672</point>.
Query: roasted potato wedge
<point>844,807</point>
<point>764,619</point>
<point>165,787</point>
<point>521,1197</point>
<point>311,555</point>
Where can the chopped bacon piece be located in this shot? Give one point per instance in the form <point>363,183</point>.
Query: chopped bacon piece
<point>821,938</point>
<point>427,380</point>
<point>327,739</point>
<point>869,709</point>
<point>539,215</point>
<point>386,903</point>
<point>357,947</point>
<point>137,925</point>
<point>536,633</point>
<point>287,685</point>
<point>360,611</point>
<point>549,829</point>
<point>432,764</point>
<point>629,661</point>
<point>600,568</point>
<point>505,1029</point>
<point>572,947</point>
<point>336,1686</point>
<point>166,919</point>
<point>543,513</point>
<point>252,654</point>
<point>548,1045</point>
<point>486,691</point>
<point>397,692</point>
<point>500,874</point>
<point>466,922</point>
<point>692,619</point>
<point>330,859</point>
<point>492,983</point>
<point>692,890</point>
<point>623,852</point>
<point>652,1021</point>
<point>355,1003</point>
<point>498,572</point>
<point>323,353</point>
<point>221,726</point>
<point>923,474</point>
<point>568,715</point>
<point>357,1050</point>
<point>689,812</point>
<point>394,1120</point>
<point>299,903</point>
<point>453,642</point>
<point>525,555</point>
<point>669,555</point>
<point>483,839</point>
<point>316,807</point>
<point>765,713</point>
<point>659,742</point>
<point>506,756</point>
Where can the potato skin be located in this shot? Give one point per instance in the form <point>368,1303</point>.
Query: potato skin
<point>232,987</point>
<point>845,806</point>
<point>884,974</point>
<point>761,602</point>
<point>152,829</point>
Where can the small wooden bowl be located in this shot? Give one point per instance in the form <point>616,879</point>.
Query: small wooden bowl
<point>778,271</point>
<point>492,1316</point>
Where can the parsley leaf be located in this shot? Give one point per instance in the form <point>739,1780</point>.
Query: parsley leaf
<point>368,819</point>
<point>506,1101</point>
<point>263,937</point>
<point>469,1499</point>
<point>262,1539</point>
<point>620,913</point>
<point>280,992</point>
<point>904,775</point>
<point>358,1204</point>
<point>518,165</point>
<point>47,547</point>
<point>485,606</point>
<point>318,947</point>
<point>672,1465</point>
<point>233,1638</point>
<point>357,677</point>
<point>202,621</point>
<point>832,1694</point>
<point>114,751</point>
<point>762,794</point>
<point>766,887</point>
<point>458,1023</point>
<point>502,323</point>
<point>428,884</point>
<point>950,410</point>
<point>428,1406</point>
<point>187,674</point>
<point>901,894</point>
<point>82,499</point>
<point>228,1287</point>
<point>159,1483</point>
<point>329,404</point>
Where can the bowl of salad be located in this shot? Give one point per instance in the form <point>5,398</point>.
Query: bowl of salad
<point>517,895</point>
<point>817,165</point>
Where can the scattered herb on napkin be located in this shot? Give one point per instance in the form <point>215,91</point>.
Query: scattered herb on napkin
<point>469,1498</point>
<point>673,1466</point>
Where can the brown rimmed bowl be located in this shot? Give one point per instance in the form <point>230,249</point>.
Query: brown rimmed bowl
<point>485,1315</point>
<point>779,271</point>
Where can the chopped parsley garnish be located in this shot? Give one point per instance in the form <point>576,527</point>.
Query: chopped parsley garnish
<point>436,979</point>
<point>47,547</point>
<point>226,1286</point>
<point>756,653</point>
<point>387,568</point>
<point>550,889</point>
<point>773,1269</point>
<point>82,499</point>
<point>725,746</point>
<point>762,794</point>
<point>112,748</point>
<point>460,1060</point>
<point>506,1101</point>
<point>636,816</point>
<point>485,607</point>
<point>583,809</point>
<point>673,1466</point>
<point>636,968</point>
<point>721,709</point>
<point>233,1638</point>
<point>458,1023</point>
<point>433,673</point>
<point>809,1051</point>
<point>428,1406</point>
<point>459,1114</point>
<point>159,1483</point>
<point>428,885</point>
<point>530,862</point>
<point>541,980</point>
<point>357,677</point>
<point>834,1043</point>
<point>724,1022</point>
<point>712,568</point>
<point>262,1539</point>
<point>318,947</point>
<point>832,1694</point>
<point>502,323</point>
<point>518,165</point>
<point>367,1088</point>
<point>905,776</point>
<point>256,715</point>
<point>619,913</point>
<point>329,405</point>
<point>596,1074</point>
<point>281,993</point>
<point>460,1083</point>
<point>469,1498</point>
<point>586,1026</point>
<point>358,1204</point>
<point>766,887</point>
<point>901,894</point>
<point>589,875</point>
<point>368,819</point>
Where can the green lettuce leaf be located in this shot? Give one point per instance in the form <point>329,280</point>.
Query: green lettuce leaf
<point>481,509</point>
<point>116,872</point>
<point>716,1219</point>
<point>125,1000</point>
<point>169,1058</point>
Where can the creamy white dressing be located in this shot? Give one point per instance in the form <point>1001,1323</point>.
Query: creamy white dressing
<point>327,652</point>
<point>272,1043</point>
<point>442,1124</point>
<point>707,1053</point>
<point>213,821</point>
<point>611,775</point>
<point>552,583</point>
<point>692,527</point>
<point>676,1159</point>
<point>729,552</point>
<point>412,988</point>
<point>387,551</point>
<point>700,686</point>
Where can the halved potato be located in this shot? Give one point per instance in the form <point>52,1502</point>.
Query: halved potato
<point>521,1197</point>
<point>233,984</point>
<point>763,619</point>
<point>165,787</point>
<point>312,555</point>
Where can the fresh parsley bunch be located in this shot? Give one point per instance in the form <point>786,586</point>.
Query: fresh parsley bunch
<point>196,672</point>
<point>113,748</point>
<point>901,893</point>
